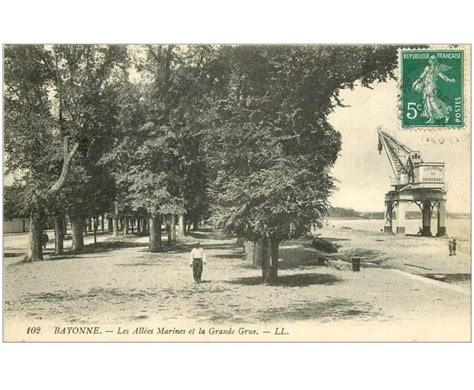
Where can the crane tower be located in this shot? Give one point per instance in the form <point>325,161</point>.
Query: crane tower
<point>413,181</point>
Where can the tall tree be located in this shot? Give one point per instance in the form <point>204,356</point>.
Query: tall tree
<point>32,139</point>
<point>88,83</point>
<point>57,100</point>
<point>157,155</point>
<point>271,146</point>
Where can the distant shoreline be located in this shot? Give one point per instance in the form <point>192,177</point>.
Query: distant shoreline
<point>351,214</point>
<point>449,216</point>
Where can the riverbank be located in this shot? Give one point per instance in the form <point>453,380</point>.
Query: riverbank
<point>413,254</point>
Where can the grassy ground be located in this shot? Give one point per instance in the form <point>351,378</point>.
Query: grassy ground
<point>120,282</point>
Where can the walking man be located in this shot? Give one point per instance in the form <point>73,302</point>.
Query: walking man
<point>44,239</point>
<point>454,244</point>
<point>450,245</point>
<point>196,260</point>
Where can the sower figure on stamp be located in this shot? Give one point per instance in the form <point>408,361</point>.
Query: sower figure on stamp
<point>427,83</point>
<point>196,260</point>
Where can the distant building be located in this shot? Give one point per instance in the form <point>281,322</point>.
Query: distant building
<point>12,222</point>
<point>16,225</point>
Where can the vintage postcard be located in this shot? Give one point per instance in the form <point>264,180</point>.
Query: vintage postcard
<point>248,193</point>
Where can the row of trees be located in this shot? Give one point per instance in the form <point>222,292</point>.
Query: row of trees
<point>235,133</point>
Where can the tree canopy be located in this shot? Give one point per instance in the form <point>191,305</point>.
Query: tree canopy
<point>239,134</point>
<point>270,144</point>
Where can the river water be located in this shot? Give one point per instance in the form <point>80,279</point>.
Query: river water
<point>459,228</point>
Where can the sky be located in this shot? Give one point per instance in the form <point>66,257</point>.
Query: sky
<point>364,175</point>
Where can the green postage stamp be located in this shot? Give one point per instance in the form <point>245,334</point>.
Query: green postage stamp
<point>432,83</point>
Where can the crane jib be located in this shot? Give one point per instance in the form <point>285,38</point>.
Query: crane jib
<point>407,165</point>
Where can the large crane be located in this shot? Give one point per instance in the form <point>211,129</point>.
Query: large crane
<point>414,181</point>
<point>402,159</point>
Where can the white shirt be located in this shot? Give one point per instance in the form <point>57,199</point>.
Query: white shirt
<point>197,253</point>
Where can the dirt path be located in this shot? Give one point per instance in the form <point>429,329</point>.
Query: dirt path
<point>121,283</point>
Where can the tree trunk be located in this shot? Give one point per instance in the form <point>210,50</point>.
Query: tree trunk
<point>68,156</point>
<point>269,260</point>
<point>95,222</point>
<point>58,235</point>
<point>155,233</point>
<point>125,225</point>
<point>168,228</point>
<point>258,253</point>
<point>172,228</point>
<point>77,228</point>
<point>115,227</point>
<point>249,251</point>
<point>181,225</point>
<point>110,227</point>
<point>35,249</point>
<point>132,222</point>
<point>273,272</point>
<point>102,223</point>
<point>138,226</point>
<point>89,224</point>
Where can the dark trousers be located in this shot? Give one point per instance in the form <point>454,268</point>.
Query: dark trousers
<point>197,269</point>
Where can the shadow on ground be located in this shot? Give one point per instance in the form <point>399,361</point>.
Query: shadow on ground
<point>334,239</point>
<point>62,257</point>
<point>110,246</point>
<point>97,293</point>
<point>208,234</point>
<point>229,256</point>
<point>140,264</point>
<point>100,247</point>
<point>13,254</point>
<point>449,278</point>
<point>203,308</point>
<point>179,248</point>
<point>366,255</point>
<point>326,311</point>
<point>298,280</point>
<point>299,257</point>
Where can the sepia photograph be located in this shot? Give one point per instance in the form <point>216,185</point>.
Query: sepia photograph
<point>236,192</point>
